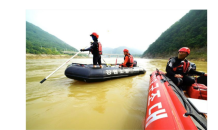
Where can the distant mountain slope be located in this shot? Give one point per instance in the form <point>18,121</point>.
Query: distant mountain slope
<point>39,41</point>
<point>119,50</point>
<point>190,31</point>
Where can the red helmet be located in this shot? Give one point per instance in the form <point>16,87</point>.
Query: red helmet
<point>125,50</point>
<point>95,34</point>
<point>185,49</point>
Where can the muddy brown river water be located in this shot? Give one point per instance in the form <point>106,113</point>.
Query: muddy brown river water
<point>66,104</point>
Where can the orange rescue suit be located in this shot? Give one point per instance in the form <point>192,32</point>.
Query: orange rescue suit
<point>128,61</point>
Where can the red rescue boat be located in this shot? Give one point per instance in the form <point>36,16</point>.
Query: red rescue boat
<point>197,91</point>
<point>168,108</point>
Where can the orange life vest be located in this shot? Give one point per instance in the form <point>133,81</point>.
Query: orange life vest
<point>99,48</point>
<point>184,64</point>
<point>130,60</point>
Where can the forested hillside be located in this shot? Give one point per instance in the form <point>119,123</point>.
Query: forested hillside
<point>190,31</point>
<point>39,41</point>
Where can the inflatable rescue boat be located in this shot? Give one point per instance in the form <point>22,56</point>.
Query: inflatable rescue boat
<point>87,73</point>
<point>169,108</point>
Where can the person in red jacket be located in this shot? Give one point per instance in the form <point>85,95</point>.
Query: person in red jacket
<point>128,59</point>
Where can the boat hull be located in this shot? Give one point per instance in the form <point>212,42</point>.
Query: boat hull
<point>168,108</point>
<point>87,73</point>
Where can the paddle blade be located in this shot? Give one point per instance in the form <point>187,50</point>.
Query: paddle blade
<point>42,80</point>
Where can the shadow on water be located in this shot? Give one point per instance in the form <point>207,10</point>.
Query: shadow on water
<point>89,94</point>
<point>136,105</point>
<point>127,96</point>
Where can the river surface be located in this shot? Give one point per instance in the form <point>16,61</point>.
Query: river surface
<point>66,104</point>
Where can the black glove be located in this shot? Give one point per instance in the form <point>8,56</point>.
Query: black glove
<point>81,49</point>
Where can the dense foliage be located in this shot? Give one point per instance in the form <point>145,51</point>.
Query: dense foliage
<point>190,31</point>
<point>40,42</point>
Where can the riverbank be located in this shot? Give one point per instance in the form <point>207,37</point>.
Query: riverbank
<point>188,58</point>
<point>45,56</point>
<point>199,54</point>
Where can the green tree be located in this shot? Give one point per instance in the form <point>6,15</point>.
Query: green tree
<point>189,31</point>
<point>39,41</point>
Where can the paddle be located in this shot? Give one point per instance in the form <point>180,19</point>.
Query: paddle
<point>59,67</point>
<point>105,62</point>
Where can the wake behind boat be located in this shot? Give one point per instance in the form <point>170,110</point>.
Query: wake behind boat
<point>87,73</point>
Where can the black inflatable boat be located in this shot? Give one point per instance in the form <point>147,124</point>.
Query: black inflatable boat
<point>87,73</point>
